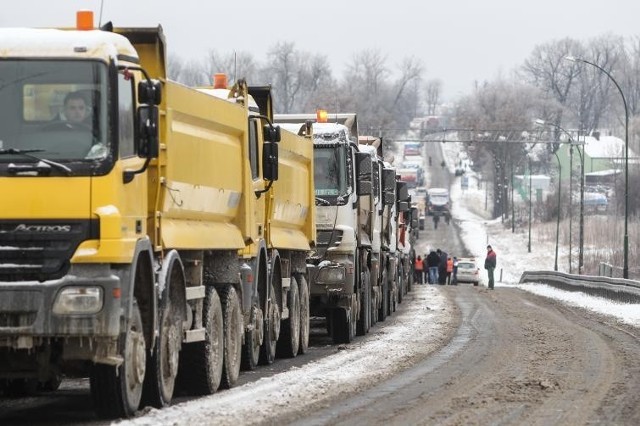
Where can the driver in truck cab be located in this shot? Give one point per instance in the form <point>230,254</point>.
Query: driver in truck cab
<point>75,108</point>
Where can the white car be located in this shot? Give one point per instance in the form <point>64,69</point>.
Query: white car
<point>468,271</point>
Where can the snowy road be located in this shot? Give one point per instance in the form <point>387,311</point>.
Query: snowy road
<point>522,354</point>
<point>516,358</point>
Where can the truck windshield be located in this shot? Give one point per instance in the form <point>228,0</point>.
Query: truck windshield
<point>55,107</point>
<point>330,171</point>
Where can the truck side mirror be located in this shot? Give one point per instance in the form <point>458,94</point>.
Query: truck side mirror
<point>403,206</point>
<point>271,133</point>
<point>415,218</point>
<point>403,192</point>
<point>147,131</point>
<point>388,186</point>
<point>364,170</point>
<point>149,92</point>
<point>364,187</point>
<point>270,160</point>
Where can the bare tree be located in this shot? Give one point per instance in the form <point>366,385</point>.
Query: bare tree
<point>236,65</point>
<point>496,109</point>
<point>285,68</point>
<point>432,91</point>
<point>547,69</point>
<point>174,67</point>
<point>595,91</point>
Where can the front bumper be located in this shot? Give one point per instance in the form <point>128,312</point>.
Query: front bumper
<point>334,282</point>
<point>27,309</point>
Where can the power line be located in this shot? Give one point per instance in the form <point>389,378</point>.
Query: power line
<point>516,136</point>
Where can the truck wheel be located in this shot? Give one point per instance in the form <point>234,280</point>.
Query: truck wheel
<point>391,291</point>
<point>53,384</point>
<point>163,362</point>
<point>252,340</point>
<point>304,315</point>
<point>401,287</point>
<point>289,341</point>
<point>19,388</point>
<point>341,325</point>
<point>384,294</point>
<point>363,322</point>
<point>233,328</point>
<point>271,328</point>
<point>374,308</point>
<point>200,369</point>
<point>117,391</point>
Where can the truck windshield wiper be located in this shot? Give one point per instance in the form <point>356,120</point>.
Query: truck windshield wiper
<point>27,153</point>
<point>322,201</point>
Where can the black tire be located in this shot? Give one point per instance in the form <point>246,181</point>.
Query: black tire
<point>384,293</point>
<point>164,360</point>
<point>252,340</point>
<point>305,316</point>
<point>341,326</point>
<point>401,289</point>
<point>200,371</point>
<point>289,340</point>
<point>391,298</point>
<point>271,326</point>
<point>374,309</point>
<point>52,384</point>
<point>20,388</point>
<point>233,329</point>
<point>364,321</point>
<point>117,391</point>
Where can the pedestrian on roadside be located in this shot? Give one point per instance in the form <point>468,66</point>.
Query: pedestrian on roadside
<point>442,267</point>
<point>418,269</point>
<point>490,265</point>
<point>449,269</point>
<point>433,260</point>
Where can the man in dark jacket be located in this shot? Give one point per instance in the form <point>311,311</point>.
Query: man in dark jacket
<point>490,264</point>
<point>433,260</point>
<point>442,267</point>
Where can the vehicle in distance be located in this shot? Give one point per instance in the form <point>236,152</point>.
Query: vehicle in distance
<point>468,271</point>
<point>438,202</point>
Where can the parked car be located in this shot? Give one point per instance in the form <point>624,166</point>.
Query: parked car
<point>468,271</point>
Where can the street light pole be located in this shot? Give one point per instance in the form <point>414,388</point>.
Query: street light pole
<point>530,204</point>
<point>570,206</point>
<point>513,216</point>
<point>555,152</point>
<point>581,243</point>
<point>581,153</point>
<point>625,267</point>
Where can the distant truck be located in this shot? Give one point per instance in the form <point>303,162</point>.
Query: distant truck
<point>411,149</point>
<point>439,203</point>
<point>410,176</point>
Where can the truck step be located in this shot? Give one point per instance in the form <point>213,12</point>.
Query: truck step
<point>197,335</point>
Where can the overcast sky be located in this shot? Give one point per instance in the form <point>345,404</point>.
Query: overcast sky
<point>458,41</point>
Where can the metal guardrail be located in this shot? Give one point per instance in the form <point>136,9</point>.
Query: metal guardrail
<point>617,289</point>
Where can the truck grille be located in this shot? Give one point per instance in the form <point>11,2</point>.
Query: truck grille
<point>40,250</point>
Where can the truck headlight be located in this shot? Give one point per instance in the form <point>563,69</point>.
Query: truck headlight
<point>331,275</point>
<point>78,300</point>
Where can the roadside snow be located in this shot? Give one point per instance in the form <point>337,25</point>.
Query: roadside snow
<point>513,254</point>
<point>406,337</point>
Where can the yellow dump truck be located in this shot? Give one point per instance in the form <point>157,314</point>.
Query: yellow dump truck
<point>152,235</point>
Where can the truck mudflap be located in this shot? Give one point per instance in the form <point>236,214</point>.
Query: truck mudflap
<point>69,307</point>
